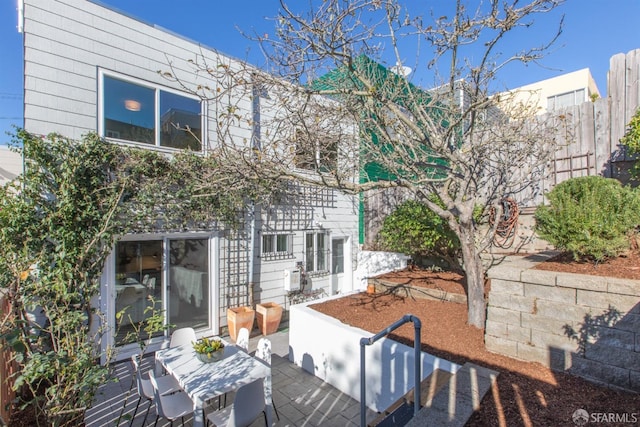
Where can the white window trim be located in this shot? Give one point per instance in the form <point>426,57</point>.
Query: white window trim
<point>275,254</point>
<point>102,73</point>
<point>327,251</point>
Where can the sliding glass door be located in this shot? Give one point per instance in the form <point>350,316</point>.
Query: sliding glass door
<point>170,274</point>
<point>188,283</point>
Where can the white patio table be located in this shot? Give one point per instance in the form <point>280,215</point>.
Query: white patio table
<point>204,381</point>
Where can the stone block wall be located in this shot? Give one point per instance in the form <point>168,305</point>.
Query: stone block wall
<point>586,325</point>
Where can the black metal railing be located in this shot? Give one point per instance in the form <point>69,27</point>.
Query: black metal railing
<point>417,324</point>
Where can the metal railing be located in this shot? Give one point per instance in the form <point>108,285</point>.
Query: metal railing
<point>417,324</point>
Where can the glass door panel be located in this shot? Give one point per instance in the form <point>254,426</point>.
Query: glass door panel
<point>138,283</point>
<point>188,290</point>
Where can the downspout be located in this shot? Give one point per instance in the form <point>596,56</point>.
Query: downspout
<point>255,142</point>
<point>252,241</point>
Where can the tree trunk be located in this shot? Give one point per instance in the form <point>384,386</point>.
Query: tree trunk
<point>475,276</point>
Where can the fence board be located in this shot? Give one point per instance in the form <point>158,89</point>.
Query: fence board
<point>632,85</point>
<point>616,94</point>
<point>602,142</point>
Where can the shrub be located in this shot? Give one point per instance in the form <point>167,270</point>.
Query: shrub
<point>414,229</point>
<point>589,217</point>
<point>631,140</point>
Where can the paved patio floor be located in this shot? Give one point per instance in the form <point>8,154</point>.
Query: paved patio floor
<point>301,399</point>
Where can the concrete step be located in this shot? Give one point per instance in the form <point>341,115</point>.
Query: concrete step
<point>457,399</point>
<point>400,412</point>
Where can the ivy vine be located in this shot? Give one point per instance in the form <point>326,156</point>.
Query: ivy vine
<point>59,222</point>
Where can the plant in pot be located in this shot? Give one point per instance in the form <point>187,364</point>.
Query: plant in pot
<point>209,349</point>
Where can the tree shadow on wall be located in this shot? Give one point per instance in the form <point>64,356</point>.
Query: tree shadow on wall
<point>592,328</point>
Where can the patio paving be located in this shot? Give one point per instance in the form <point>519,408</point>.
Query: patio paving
<point>300,398</point>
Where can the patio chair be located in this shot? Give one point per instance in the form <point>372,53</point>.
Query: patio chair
<point>166,384</point>
<point>263,352</point>
<point>170,406</point>
<point>243,339</point>
<point>182,336</point>
<point>245,409</point>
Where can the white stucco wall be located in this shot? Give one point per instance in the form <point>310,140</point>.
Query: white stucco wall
<point>330,350</point>
<point>372,263</point>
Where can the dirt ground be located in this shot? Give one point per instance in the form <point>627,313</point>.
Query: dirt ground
<point>526,393</point>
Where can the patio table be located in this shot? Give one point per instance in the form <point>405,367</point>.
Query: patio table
<point>205,381</point>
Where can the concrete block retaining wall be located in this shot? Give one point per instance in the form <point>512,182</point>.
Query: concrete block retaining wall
<point>588,325</point>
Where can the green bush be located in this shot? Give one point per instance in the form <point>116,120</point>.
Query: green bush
<point>631,140</point>
<point>414,229</point>
<point>589,217</point>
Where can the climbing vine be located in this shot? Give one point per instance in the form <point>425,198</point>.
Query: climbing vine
<point>58,223</point>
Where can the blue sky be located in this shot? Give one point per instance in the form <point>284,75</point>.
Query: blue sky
<point>594,31</point>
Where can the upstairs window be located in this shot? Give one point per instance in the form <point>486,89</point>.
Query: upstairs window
<point>564,100</point>
<point>143,113</point>
<point>310,154</point>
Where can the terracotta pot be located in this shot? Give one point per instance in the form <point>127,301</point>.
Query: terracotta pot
<point>239,317</point>
<point>371,288</point>
<point>269,315</point>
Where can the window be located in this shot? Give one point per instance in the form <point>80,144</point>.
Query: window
<point>146,114</point>
<point>311,156</point>
<point>315,250</point>
<point>276,246</point>
<point>564,100</point>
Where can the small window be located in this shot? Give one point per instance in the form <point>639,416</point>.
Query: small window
<point>147,114</point>
<point>277,246</point>
<point>316,251</point>
<point>322,155</point>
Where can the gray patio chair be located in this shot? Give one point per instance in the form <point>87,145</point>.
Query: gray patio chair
<point>170,406</point>
<point>263,352</point>
<point>182,336</point>
<point>166,384</point>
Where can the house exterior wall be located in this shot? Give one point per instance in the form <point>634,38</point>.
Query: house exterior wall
<point>69,43</point>
<point>536,94</point>
<point>10,164</point>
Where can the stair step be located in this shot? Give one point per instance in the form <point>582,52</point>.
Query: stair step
<point>401,411</point>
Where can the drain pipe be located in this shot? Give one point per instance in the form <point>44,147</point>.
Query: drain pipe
<point>252,242</point>
<point>417,374</point>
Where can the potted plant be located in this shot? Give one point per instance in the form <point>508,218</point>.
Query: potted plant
<point>269,315</point>
<point>209,349</point>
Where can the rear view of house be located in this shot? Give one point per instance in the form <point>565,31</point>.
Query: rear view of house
<point>88,68</point>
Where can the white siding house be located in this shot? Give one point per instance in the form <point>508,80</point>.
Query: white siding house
<point>10,164</point>
<point>89,68</point>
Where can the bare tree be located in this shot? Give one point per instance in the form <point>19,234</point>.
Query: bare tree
<point>332,113</point>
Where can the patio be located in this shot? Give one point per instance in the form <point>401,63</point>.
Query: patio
<point>301,398</point>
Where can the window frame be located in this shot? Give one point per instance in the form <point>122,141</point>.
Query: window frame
<point>317,253</point>
<point>276,254</point>
<point>321,159</point>
<point>157,88</point>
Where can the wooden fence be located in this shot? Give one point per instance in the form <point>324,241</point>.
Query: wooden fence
<point>7,370</point>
